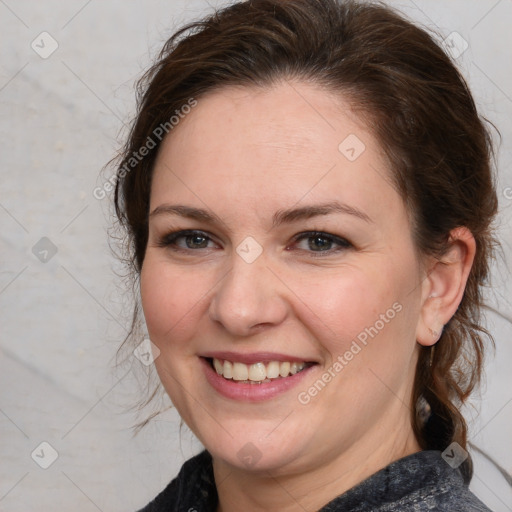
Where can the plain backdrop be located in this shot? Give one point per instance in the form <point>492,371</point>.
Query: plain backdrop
<point>66,95</point>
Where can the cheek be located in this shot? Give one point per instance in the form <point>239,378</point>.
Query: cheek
<point>171,304</point>
<point>343,303</point>
<point>365,327</point>
<point>371,304</point>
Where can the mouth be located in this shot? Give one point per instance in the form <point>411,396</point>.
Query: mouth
<point>254,377</point>
<point>256,373</point>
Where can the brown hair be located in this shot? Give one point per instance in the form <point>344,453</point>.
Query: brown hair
<point>416,103</point>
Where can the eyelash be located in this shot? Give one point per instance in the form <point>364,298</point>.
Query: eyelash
<point>169,241</point>
<point>342,243</point>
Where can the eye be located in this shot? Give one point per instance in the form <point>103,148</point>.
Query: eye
<point>187,239</point>
<point>320,242</point>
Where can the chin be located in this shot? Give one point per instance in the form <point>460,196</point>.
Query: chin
<point>254,449</point>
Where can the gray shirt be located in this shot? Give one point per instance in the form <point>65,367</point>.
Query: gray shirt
<point>420,482</point>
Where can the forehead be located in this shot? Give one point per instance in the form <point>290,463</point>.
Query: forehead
<point>272,147</point>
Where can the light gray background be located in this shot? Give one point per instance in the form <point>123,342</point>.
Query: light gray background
<point>61,321</point>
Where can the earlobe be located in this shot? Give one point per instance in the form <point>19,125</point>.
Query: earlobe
<point>444,286</point>
<point>430,326</point>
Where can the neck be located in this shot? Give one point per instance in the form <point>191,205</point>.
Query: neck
<point>312,487</point>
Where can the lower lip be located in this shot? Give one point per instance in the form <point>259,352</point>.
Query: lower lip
<point>251,392</point>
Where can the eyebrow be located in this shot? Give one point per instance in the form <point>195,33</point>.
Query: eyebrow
<point>307,212</point>
<point>280,217</point>
<point>189,212</point>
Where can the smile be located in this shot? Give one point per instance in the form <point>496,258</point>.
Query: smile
<point>257,372</point>
<point>254,377</point>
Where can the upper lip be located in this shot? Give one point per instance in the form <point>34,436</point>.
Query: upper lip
<point>253,357</point>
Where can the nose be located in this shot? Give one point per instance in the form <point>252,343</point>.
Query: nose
<point>248,299</point>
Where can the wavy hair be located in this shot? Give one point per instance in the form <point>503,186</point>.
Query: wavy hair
<point>419,108</point>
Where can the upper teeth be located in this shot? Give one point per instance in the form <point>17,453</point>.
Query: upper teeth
<point>258,371</point>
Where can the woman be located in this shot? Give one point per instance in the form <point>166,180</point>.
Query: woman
<point>308,198</point>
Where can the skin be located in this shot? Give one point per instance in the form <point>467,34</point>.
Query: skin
<point>244,154</point>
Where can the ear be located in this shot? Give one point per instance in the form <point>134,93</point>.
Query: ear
<point>443,287</point>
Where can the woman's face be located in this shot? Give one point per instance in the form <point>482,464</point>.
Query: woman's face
<point>275,237</point>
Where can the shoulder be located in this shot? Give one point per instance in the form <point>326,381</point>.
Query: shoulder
<point>193,488</point>
<point>442,489</point>
<point>422,482</point>
<point>441,498</point>
<point>462,500</point>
